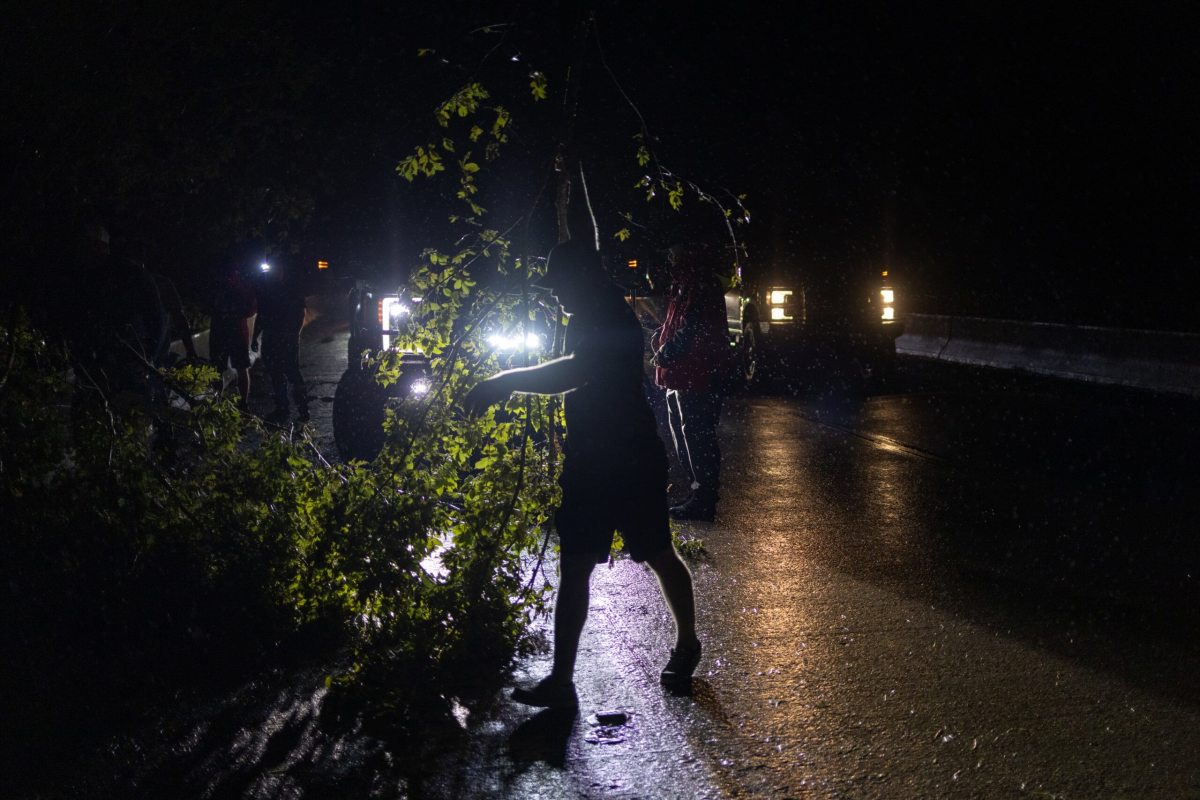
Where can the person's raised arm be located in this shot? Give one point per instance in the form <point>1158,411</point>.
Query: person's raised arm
<point>553,377</point>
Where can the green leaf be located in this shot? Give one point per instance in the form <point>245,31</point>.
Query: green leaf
<point>537,84</point>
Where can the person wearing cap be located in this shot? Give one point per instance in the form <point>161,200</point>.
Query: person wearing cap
<point>691,359</point>
<point>614,472</point>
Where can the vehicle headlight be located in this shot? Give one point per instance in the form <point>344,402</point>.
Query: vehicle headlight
<point>780,303</point>
<point>507,344</point>
<point>887,299</point>
<point>392,314</point>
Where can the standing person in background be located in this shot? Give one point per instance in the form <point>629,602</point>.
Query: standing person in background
<point>232,305</point>
<point>116,324</point>
<point>277,328</point>
<point>691,358</point>
<point>136,250</point>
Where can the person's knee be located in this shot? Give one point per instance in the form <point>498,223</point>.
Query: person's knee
<point>666,560</point>
<point>576,567</point>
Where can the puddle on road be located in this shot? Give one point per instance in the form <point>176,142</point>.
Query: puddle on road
<point>608,727</point>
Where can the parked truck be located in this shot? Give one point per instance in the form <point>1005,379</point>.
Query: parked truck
<point>805,326</point>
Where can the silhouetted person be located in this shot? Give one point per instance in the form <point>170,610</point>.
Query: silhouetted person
<point>614,469</point>
<point>178,327</point>
<point>231,306</point>
<point>691,358</point>
<point>278,325</point>
<point>116,324</point>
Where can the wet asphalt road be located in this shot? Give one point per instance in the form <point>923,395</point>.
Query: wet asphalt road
<point>974,588</point>
<point>971,587</point>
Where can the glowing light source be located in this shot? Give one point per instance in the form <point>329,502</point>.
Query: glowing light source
<point>778,300</point>
<point>322,265</point>
<point>889,314</point>
<point>391,316</point>
<point>511,343</point>
<point>264,267</point>
<point>888,296</point>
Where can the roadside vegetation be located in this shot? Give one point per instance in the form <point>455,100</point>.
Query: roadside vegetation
<point>157,551</point>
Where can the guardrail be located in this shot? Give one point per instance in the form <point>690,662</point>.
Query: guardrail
<point>1157,360</point>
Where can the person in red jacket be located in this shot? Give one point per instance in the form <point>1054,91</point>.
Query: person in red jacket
<point>691,358</point>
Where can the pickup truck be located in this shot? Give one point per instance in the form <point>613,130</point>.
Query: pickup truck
<point>812,328</point>
<point>804,328</point>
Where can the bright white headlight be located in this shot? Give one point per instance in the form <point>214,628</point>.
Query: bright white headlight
<point>888,296</point>
<point>393,312</point>
<point>512,343</point>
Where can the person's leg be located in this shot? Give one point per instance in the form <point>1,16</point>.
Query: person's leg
<point>676,583</point>
<point>295,379</point>
<point>700,412</point>
<point>570,612</point>
<point>675,420</point>
<point>557,690</point>
<point>275,358</point>
<point>243,384</point>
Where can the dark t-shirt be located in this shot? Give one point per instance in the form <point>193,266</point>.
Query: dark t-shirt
<point>608,418</point>
<point>280,309</point>
<point>615,472</point>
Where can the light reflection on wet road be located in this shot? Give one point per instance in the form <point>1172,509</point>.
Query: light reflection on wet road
<point>880,625</point>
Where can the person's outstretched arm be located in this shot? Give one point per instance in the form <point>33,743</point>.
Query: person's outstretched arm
<point>554,377</point>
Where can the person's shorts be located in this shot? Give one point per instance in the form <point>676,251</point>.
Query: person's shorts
<point>228,347</point>
<point>629,496</point>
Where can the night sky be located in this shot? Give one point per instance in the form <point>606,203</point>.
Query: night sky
<point>1005,161</point>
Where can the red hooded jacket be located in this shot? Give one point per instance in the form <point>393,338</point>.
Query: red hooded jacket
<point>692,346</point>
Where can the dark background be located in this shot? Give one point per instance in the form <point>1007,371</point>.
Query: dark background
<point>1018,161</point>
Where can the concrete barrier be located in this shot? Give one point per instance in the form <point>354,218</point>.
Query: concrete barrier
<point>1158,360</point>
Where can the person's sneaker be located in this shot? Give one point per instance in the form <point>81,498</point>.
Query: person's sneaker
<point>681,664</point>
<point>548,693</point>
<point>695,508</point>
